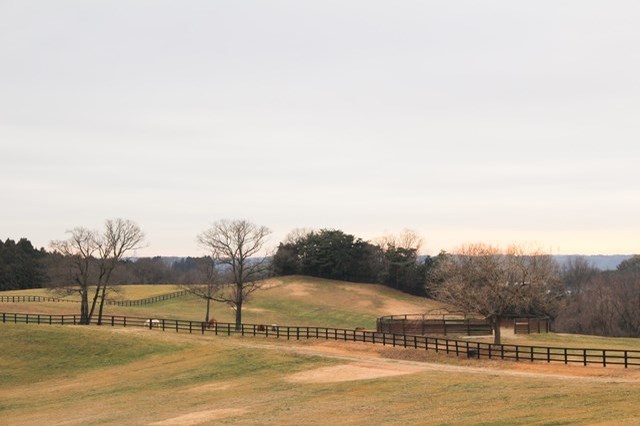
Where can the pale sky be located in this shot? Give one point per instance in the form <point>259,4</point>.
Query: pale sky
<point>466,121</point>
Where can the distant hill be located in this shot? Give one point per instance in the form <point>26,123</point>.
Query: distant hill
<point>600,261</point>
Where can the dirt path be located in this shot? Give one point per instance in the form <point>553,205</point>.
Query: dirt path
<point>368,362</point>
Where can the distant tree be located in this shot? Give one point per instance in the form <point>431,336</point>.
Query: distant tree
<point>236,245</point>
<point>481,279</point>
<point>407,239</point>
<point>577,273</point>
<point>630,265</point>
<point>21,265</point>
<point>286,259</point>
<point>92,257</point>
<point>403,271</point>
<point>330,253</point>
<point>433,277</point>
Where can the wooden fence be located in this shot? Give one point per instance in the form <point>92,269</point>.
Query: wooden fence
<point>424,325</point>
<point>460,348</point>
<point>455,325</point>
<point>139,302</point>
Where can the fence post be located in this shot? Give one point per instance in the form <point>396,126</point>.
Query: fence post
<point>548,355</point>
<point>584,356</point>
<point>604,358</point>
<point>531,353</point>
<point>566,360</point>
<point>626,358</point>
<point>517,353</point>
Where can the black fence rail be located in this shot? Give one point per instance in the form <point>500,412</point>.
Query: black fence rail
<point>138,302</point>
<point>148,300</point>
<point>17,299</point>
<point>460,348</point>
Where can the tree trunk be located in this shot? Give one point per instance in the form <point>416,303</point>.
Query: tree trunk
<point>206,318</point>
<point>102,296</point>
<point>84,307</point>
<point>239,316</point>
<point>495,321</point>
<point>93,304</point>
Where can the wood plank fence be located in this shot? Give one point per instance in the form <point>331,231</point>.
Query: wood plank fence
<point>138,302</point>
<point>460,348</point>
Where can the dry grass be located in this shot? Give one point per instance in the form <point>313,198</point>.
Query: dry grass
<point>252,381</point>
<point>288,300</point>
<point>78,375</point>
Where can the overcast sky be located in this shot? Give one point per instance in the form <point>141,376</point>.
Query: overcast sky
<point>466,121</point>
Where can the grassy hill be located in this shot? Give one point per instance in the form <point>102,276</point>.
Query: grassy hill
<point>103,375</point>
<point>293,300</point>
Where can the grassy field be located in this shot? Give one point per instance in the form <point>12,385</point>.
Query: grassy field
<point>82,376</point>
<point>287,300</point>
<point>91,375</point>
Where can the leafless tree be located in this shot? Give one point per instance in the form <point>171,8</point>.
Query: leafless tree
<point>93,256</point>
<point>296,235</point>
<point>236,245</point>
<point>407,239</point>
<point>483,279</point>
<point>577,273</point>
<point>78,250</point>
<point>120,237</point>
<point>209,282</point>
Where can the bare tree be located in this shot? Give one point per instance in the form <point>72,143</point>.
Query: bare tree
<point>483,279</point>
<point>208,283</point>
<point>236,245</point>
<point>407,239</point>
<point>93,256</point>
<point>78,250</point>
<point>296,235</point>
<point>120,236</point>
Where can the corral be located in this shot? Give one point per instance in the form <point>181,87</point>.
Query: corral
<point>441,322</point>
